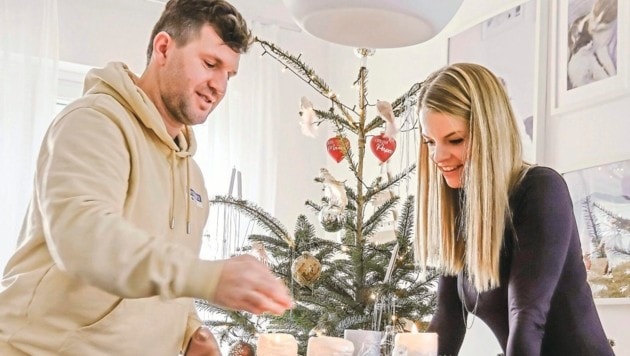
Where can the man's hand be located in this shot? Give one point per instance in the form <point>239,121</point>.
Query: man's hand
<point>203,343</point>
<point>247,284</point>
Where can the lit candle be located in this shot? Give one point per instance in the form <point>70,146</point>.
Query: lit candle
<point>276,345</point>
<point>328,345</point>
<point>417,344</point>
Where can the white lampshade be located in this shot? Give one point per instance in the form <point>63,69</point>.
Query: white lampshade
<point>373,23</point>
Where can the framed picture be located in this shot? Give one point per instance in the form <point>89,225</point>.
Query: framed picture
<point>601,204</point>
<point>589,52</point>
<point>508,45</point>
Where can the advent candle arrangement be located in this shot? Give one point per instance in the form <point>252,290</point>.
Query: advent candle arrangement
<point>276,345</point>
<point>417,344</point>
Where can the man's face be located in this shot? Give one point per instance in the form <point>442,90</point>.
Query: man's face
<point>195,76</point>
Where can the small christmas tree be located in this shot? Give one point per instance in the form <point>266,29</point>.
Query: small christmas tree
<point>351,283</point>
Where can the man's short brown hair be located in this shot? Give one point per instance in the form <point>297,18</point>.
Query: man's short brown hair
<point>183,19</point>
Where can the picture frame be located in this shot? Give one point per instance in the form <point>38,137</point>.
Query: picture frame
<point>521,63</point>
<point>601,205</point>
<point>588,66</point>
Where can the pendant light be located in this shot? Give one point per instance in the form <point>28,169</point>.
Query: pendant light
<point>373,23</point>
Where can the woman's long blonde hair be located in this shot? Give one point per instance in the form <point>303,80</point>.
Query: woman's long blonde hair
<point>464,228</point>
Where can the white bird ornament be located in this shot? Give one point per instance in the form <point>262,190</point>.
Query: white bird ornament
<point>307,123</point>
<point>387,113</point>
<point>333,189</point>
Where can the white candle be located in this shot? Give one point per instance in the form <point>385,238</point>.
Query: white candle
<point>328,345</point>
<point>417,344</point>
<point>365,341</point>
<point>276,345</point>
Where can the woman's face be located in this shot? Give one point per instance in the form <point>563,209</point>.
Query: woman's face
<point>447,139</point>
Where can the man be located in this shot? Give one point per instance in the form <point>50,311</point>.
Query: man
<point>107,260</point>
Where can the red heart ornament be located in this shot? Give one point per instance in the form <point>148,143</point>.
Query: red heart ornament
<point>383,147</point>
<point>337,147</point>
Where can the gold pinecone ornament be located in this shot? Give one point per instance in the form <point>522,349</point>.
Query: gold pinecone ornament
<point>306,270</point>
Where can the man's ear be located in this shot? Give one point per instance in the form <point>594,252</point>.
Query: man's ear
<point>162,42</point>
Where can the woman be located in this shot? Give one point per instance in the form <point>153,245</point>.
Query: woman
<point>501,232</point>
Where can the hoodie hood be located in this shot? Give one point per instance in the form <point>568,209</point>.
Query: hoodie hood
<point>118,81</point>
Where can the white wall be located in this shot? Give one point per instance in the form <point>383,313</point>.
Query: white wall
<point>96,32</point>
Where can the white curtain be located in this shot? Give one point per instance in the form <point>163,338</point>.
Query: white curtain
<point>28,82</point>
<point>240,135</point>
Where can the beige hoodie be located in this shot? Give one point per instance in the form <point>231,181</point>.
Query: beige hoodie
<point>107,259</point>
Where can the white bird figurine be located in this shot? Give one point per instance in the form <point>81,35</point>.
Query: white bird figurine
<point>307,124</point>
<point>259,250</point>
<point>334,189</point>
<point>387,113</point>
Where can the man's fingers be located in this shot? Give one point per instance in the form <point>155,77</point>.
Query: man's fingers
<point>279,295</point>
<point>257,303</point>
<point>247,284</point>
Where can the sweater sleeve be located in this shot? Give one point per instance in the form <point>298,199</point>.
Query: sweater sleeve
<point>82,185</point>
<point>542,223</point>
<point>448,320</point>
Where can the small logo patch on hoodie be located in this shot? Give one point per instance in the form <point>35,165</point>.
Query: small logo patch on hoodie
<point>196,197</point>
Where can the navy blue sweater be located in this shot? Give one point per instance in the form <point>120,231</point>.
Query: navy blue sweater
<point>544,305</point>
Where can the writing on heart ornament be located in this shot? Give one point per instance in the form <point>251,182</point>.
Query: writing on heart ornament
<point>383,147</point>
<point>337,147</point>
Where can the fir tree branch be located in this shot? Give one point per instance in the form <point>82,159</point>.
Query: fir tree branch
<point>592,226</point>
<point>269,241</point>
<point>261,217</point>
<point>306,74</point>
<point>617,220</point>
<point>375,221</point>
<point>374,124</point>
<point>314,206</point>
<point>405,224</point>
<point>329,115</point>
<point>395,181</point>
<point>397,106</point>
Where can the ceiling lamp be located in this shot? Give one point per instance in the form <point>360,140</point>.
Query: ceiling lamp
<point>373,23</point>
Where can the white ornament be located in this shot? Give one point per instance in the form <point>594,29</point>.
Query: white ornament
<point>333,189</point>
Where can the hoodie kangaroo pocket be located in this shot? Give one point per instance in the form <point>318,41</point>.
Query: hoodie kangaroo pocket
<point>59,306</point>
<point>145,326</point>
<point>99,337</point>
<point>67,303</point>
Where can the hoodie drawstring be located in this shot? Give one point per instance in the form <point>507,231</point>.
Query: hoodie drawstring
<point>171,215</point>
<point>186,155</point>
<point>189,193</point>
